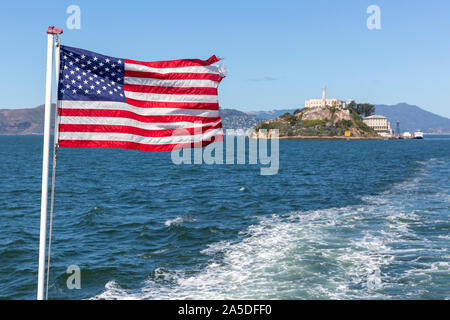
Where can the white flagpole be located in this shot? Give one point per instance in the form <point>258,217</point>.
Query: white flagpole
<point>48,105</point>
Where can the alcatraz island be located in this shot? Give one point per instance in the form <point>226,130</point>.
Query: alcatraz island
<point>328,119</point>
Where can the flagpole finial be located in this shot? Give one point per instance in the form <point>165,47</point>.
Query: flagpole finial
<point>53,30</point>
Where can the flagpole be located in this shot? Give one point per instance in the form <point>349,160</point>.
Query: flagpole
<point>51,32</point>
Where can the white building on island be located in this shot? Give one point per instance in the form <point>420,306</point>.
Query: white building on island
<point>325,103</point>
<point>380,125</point>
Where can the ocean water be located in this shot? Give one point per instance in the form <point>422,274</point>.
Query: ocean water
<point>341,220</point>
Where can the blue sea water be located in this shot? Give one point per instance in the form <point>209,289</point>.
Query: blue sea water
<point>341,220</point>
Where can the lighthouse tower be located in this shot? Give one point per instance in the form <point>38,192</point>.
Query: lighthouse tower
<point>324,97</point>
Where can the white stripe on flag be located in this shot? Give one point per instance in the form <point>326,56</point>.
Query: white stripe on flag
<point>171,83</point>
<point>134,123</point>
<point>113,105</point>
<point>196,69</point>
<point>104,136</point>
<point>171,97</point>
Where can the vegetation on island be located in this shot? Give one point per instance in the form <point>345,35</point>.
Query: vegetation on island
<point>363,109</point>
<point>326,122</point>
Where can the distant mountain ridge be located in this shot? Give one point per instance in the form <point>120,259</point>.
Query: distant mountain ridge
<point>235,119</point>
<point>31,120</point>
<point>23,121</point>
<point>270,115</point>
<point>413,118</point>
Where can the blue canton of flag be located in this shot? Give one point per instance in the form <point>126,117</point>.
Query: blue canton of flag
<point>86,75</point>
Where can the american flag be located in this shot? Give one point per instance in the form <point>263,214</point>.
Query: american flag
<point>108,102</point>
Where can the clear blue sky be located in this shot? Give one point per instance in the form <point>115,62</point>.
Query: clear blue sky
<point>278,53</point>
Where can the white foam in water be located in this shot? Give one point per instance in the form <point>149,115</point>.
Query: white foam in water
<point>170,222</point>
<point>355,252</point>
<point>178,220</point>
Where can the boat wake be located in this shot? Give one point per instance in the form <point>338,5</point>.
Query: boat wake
<point>379,249</point>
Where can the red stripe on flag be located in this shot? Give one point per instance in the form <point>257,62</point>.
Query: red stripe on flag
<point>133,145</point>
<point>170,90</point>
<point>175,63</point>
<point>174,76</point>
<point>131,115</point>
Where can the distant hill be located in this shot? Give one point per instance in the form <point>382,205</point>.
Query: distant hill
<point>23,121</point>
<point>413,118</point>
<point>235,119</point>
<point>269,115</point>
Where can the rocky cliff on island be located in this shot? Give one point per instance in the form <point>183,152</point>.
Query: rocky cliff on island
<point>318,122</point>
